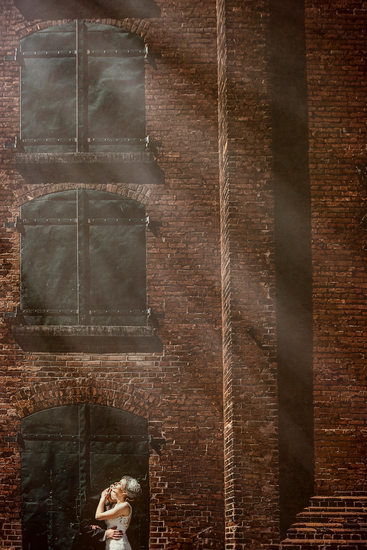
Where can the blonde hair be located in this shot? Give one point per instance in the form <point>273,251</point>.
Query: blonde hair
<point>133,488</point>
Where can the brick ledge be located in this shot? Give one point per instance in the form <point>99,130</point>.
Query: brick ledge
<point>87,339</point>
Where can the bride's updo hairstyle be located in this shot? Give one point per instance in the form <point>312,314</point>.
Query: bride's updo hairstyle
<point>132,489</point>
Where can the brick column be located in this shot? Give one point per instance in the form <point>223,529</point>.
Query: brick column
<point>248,276</point>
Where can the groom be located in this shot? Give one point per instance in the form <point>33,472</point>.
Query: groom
<point>91,535</point>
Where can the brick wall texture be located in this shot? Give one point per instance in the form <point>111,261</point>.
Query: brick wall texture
<point>249,371</point>
<point>337,143</point>
<point>212,391</point>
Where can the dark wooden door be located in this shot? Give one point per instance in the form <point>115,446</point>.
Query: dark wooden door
<point>70,454</point>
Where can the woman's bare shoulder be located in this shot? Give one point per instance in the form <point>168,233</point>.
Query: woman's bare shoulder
<point>123,509</point>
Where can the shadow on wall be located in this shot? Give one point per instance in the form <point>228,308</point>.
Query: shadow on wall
<point>293,257</point>
<point>71,9</point>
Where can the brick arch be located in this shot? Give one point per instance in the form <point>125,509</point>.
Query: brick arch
<point>84,390</point>
<point>138,193</point>
<point>140,27</point>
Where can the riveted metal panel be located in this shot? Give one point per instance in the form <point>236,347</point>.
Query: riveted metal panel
<point>48,105</point>
<point>82,89</point>
<point>83,260</point>
<point>70,454</point>
<point>116,96</point>
<point>59,37</point>
<point>111,422</point>
<point>115,101</point>
<point>49,259</point>
<point>117,281</point>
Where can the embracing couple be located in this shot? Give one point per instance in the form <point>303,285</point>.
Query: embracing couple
<point>115,510</point>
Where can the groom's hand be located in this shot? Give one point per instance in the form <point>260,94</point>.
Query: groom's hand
<point>113,533</point>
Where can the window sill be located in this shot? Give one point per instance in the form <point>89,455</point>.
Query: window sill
<point>134,167</point>
<point>87,339</point>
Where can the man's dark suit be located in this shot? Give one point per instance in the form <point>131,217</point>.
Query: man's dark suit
<point>88,538</point>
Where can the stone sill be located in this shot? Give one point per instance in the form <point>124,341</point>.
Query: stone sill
<point>134,167</point>
<point>87,339</point>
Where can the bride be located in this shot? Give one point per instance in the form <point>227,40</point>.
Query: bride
<point>120,513</point>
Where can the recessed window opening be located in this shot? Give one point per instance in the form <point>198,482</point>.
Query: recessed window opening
<point>83,259</point>
<point>82,89</point>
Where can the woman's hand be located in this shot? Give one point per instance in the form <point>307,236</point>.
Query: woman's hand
<point>105,493</point>
<point>113,533</point>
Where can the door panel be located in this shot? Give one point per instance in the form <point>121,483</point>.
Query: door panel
<point>109,421</point>
<point>70,455</point>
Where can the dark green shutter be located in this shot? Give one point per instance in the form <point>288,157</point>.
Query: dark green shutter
<point>48,90</point>
<point>83,260</point>
<point>116,102</point>
<point>117,260</point>
<point>106,112</point>
<point>49,293</point>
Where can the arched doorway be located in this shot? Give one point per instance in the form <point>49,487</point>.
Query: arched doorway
<point>69,455</point>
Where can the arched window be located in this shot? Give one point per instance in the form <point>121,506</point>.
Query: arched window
<point>83,259</point>
<point>69,455</point>
<point>82,89</point>
<point>83,274</point>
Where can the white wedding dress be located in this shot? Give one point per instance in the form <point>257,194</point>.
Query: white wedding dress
<point>122,523</point>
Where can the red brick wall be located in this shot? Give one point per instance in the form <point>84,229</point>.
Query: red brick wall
<point>180,389</point>
<point>211,273</point>
<point>336,43</point>
<point>247,225</point>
